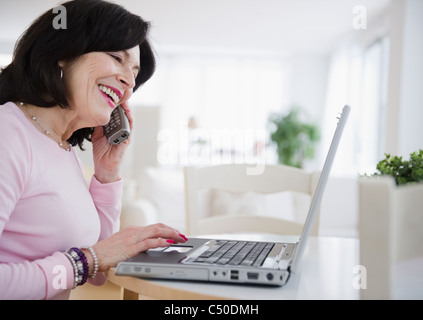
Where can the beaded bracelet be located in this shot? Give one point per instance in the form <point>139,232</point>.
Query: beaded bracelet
<point>95,262</point>
<point>75,269</point>
<point>80,264</point>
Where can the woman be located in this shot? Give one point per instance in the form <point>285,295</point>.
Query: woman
<point>60,89</point>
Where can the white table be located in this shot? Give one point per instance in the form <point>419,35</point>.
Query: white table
<point>327,272</point>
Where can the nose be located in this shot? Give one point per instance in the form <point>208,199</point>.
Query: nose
<point>126,78</point>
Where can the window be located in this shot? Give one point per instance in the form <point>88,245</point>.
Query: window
<point>215,108</point>
<point>373,105</point>
<point>358,77</point>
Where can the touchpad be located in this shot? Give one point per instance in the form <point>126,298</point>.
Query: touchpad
<point>180,249</point>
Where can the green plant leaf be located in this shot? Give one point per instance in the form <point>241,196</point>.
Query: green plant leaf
<point>404,171</point>
<point>295,139</point>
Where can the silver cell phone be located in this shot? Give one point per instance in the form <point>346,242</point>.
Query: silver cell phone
<point>117,130</point>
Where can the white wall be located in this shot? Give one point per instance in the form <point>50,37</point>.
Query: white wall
<point>411,103</point>
<point>405,93</point>
<point>309,82</point>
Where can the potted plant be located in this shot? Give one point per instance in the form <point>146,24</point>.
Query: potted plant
<point>403,171</point>
<point>390,221</point>
<point>295,139</point>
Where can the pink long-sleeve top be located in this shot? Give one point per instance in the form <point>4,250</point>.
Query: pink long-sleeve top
<point>46,208</point>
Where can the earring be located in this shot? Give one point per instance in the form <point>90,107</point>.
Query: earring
<point>61,73</point>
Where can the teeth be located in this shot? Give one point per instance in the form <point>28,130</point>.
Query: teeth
<point>110,93</point>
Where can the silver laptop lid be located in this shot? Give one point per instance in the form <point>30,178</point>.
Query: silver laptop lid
<point>315,203</point>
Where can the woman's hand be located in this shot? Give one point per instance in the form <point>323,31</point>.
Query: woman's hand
<point>107,157</point>
<point>130,241</point>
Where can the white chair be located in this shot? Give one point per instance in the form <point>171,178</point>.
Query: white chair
<point>391,239</point>
<point>211,187</point>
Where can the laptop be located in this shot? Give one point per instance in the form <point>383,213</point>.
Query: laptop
<point>234,261</point>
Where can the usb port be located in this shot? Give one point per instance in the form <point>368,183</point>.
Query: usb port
<point>252,275</point>
<point>234,274</point>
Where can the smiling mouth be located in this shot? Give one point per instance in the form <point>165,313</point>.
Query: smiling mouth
<point>112,94</point>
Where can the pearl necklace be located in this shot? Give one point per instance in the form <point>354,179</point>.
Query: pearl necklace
<point>46,132</point>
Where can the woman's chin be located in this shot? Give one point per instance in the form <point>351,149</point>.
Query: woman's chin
<point>103,120</point>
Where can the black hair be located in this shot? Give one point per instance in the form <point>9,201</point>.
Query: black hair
<point>33,76</point>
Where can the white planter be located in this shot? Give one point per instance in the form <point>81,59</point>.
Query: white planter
<point>391,238</point>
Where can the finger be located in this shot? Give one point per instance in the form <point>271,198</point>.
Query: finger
<point>125,105</point>
<point>128,113</point>
<point>151,244</point>
<point>163,231</point>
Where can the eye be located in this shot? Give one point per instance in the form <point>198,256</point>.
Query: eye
<point>116,57</point>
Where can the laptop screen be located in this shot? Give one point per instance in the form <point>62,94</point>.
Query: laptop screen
<point>315,203</point>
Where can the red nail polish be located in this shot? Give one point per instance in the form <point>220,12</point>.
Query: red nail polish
<point>181,235</point>
<point>170,241</point>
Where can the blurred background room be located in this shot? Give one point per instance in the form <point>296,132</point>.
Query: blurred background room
<point>225,67</point>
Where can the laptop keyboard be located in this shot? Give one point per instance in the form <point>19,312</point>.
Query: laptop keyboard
<point>243,253</point>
